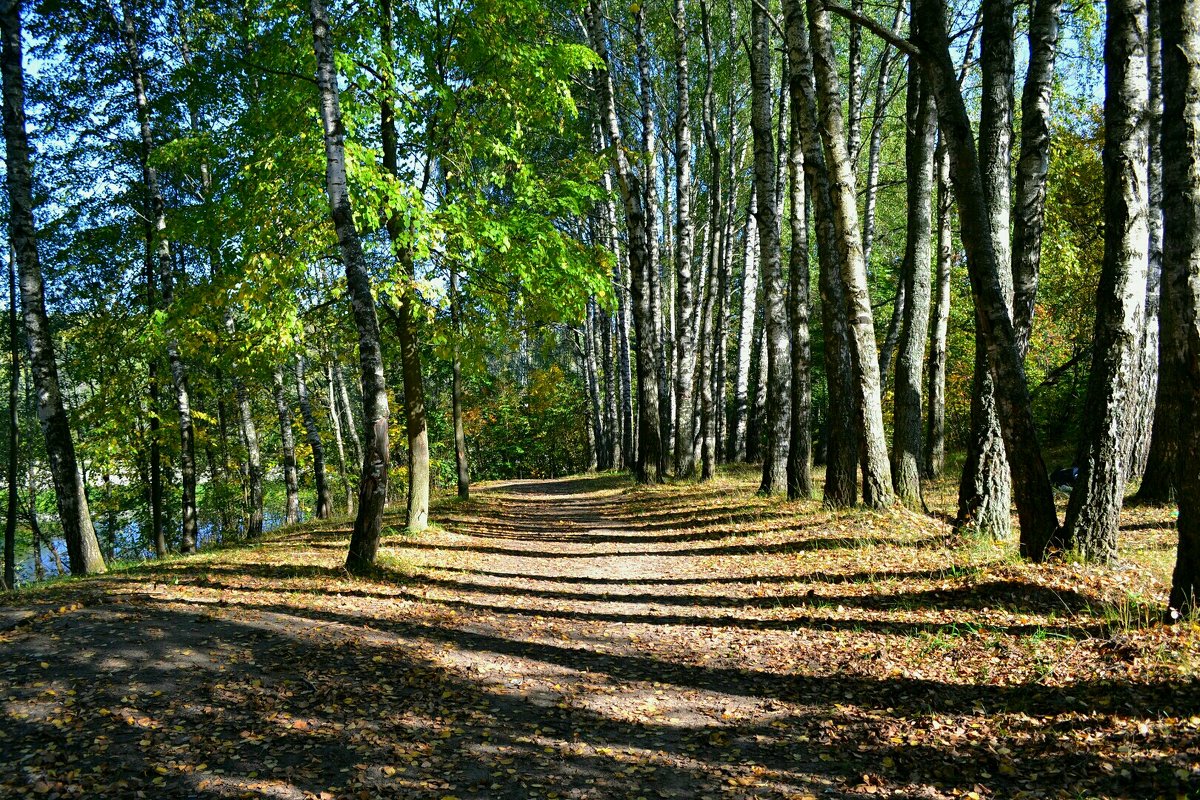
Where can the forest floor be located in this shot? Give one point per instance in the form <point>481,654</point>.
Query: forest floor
<point>586,638</point>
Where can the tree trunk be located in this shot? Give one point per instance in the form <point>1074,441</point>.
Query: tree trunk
<point>1094,511</point>
<point>287,440</point>
<point>1162,460</point>
<point>324,502</point>
<point>460,437</point>
<point>1141,421</point>
<point>651,265</point>
<point>587,363</point>
<point>1181,255</point>
<point>649,447</point>
<point>83,549</point>
<point>223,435</point>
<point>415,417</point>
<point>877,479</point>
<point>799,462</point>
<point>936,421</point>
<point>14,382</point>
<point>351,427</point>
<point>935,437</point>
<point>156,223</point>
<point>841,482</point>
<point>883,99</point>
<point>892,337</point>
<point>1161,479</point>
<point>741,382</point>
<point>854,95</point>
<point>685,294</point>
<point>591,409</point>
<point>984,495</point>
<point>1033,166</point>
<point>628,455</point>
<point>335,420</point>
<point>372,491</point>
<point>1035,499</point>
<point>919,160</point>
<point>708,410</point>
<point>777,416</point>
<point>612,411</point>
<point>721,369</point>
<point>758,398</point>
<point>254,474</point>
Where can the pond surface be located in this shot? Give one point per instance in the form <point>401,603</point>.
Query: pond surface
<point>129,543</point>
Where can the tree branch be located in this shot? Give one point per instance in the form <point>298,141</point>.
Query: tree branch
<point>896,41</point>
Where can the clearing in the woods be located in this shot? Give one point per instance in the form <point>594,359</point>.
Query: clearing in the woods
<point>586,638</point>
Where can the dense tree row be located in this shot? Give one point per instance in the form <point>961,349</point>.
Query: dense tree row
<point>964,159</point>
<point>597,229</point>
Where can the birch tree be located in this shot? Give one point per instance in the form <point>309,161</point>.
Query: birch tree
<point>83,549</point>
<point>364,541</point>
<point>877,479</point>
<point>1181,254</point>
<point>777,418</point>
<point>1093,513</point>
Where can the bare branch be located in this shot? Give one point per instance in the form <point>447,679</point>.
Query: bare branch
<point>883,32</point>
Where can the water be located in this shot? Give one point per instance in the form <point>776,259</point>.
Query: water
<point>131,544</point>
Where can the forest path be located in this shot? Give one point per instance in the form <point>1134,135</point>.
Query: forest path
<point>586,638</point>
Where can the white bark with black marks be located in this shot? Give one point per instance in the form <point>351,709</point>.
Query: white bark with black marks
<point>324,503</point>
<point>1093,513</point>
<point>919,159</point>
<point>685,293</point>
<point>83,549</point>
<point>287,442</point>
<point>777,408</point>
<point>372,492</point>
<point>648,464</point>
<point>1035,499</point>
<point>877,479</point>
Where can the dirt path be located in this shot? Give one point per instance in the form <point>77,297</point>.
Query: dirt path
<point>582,639</point>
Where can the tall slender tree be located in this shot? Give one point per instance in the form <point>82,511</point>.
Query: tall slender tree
<point>462,469</point>
<point>648,464</point>
<point>1093,513</point>
<point>799,464</point>
<point>14,398</point>
<point>1181,254</point>
<point>1033,165</point>
<point>921,129</point>
<point>1034,496</point>
<point>685,293</point>
<point>777,418</point>
<point>842,441</point>
<point>415,416</point>
<point>161,263</point>
<point>985,490</point>
<point>877,479</point>
<point>287,443</point>
<point>740,411</point>
<point>324,507</point>
<point>83,549</point>
<point>372,492</point>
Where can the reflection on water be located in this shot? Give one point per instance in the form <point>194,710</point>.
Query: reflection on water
<point>129,543</point>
